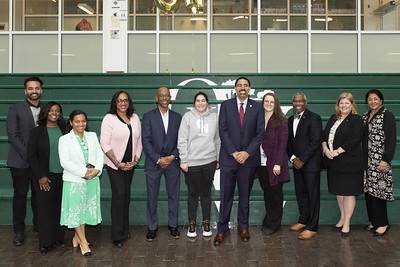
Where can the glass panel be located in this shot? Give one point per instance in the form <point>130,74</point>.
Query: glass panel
<point>298,7</point>
<point>41,7</point>
<point>333,53</point>
<point>348,23</point>
<point>318,7</point>
<point>239,22</point>
<point>142,7</point>
<point>342,6</point>
<point>237,58</point>
<point>4,18</point>
<point>318,23</point>
<point>42,53</point>
<point>165,22</point>
<point>298,23</point>
<point>4,54</point>
<point>292,56</point>
<point>236,6</point>
<point>82,53</point>
<point>274,23</point>
<point>380,53</point>
<point>79,23</point>
<point>142,53</point>
<point>40,15</point>
<point>81,7</point>
<point>193,23</point>
<point>234,15</point>
<point>183,53</point>
<point>144,23</point>
<point>18,20</point>
<point>41,23</point>
<point>81,15</point>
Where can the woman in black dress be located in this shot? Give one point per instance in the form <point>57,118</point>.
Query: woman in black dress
<point>342,146</point>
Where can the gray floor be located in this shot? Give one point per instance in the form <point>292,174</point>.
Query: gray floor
<point>281,249</point>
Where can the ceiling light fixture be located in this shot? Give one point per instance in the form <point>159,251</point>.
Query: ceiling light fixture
<point>85,7</point>
<point>240,17</point>
<point>323,19</point>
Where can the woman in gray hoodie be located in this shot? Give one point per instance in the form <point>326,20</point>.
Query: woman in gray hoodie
<point>198,145</point>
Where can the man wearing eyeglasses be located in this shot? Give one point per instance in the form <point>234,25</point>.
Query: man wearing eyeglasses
<point>304,151</point>
<point>241,128</point>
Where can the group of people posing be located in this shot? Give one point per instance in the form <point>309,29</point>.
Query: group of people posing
<point>62,161</point>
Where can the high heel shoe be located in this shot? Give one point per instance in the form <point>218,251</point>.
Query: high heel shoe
<point>75,242</point>
<point>381,234</point>
<point>369,227</point>
<point>337,228</point>
<point>86,252</point>
<point>344,234</point>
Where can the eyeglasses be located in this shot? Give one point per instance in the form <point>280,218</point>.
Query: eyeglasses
<point>122,101</point>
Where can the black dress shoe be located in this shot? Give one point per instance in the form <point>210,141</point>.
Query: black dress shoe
<point>174,232</point>
<point>369,228</point>
<point>59,243</point>
<point>337,228</point>
<point>43,250</point>
<point>118,243</point>
<point>381,234</point>
<point>269,231</point>
<point>344,234</point>
<point>18,238</point>
<point>151,235</point>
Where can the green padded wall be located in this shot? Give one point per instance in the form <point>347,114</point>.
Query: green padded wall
<point>92,93</point>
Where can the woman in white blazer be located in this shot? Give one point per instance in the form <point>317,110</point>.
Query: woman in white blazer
<point>82,160</point>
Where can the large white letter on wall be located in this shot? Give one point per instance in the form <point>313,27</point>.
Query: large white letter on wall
<point>115,25</point>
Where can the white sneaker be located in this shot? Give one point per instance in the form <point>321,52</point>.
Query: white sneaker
<point>192,229</point>
<point>206,228</point>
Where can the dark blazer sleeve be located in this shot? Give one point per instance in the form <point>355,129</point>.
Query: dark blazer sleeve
<point>19,124</point>
<point>349,136</point>
<point>308,134</point>
<point>389,127</point>
<point>39,152</point>
<point>149,144</point>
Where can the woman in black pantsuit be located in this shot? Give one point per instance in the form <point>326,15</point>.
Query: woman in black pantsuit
<point>342,146</point>
<point>44,161</point>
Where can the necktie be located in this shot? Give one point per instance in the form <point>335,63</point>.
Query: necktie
<point>241,114</point>
<point>297,116</point>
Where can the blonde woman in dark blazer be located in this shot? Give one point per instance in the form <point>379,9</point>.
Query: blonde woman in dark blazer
<point>342,146</point>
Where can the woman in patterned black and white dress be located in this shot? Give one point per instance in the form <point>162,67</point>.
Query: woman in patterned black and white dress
<point>379,147</point>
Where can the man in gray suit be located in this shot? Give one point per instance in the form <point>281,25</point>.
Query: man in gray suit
<point>21,118</point>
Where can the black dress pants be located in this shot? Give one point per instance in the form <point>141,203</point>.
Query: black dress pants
<point>22,179</point>
<point>273,200</point>
<point>377,210</point>
<point>49,211</point>
<point>120,182</point>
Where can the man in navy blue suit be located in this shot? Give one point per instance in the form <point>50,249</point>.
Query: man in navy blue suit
<point>21,118</point>
<point>159,137</point>
<point>241,129</point>
<point>305,152</point>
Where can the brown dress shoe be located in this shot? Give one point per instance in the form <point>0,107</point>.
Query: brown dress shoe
<point>244,235</point>
<point>219,238</point>
<point>297,227</point>
<point>307,234</point>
